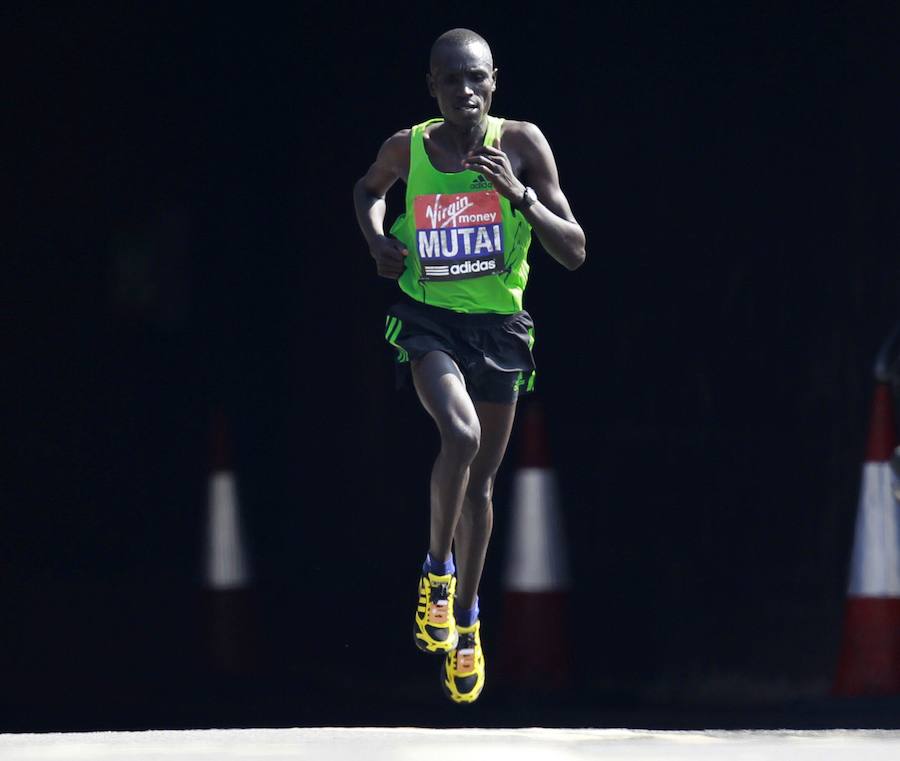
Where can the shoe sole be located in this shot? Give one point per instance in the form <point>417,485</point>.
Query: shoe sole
<point>449,695</point>
<point>437,649</point>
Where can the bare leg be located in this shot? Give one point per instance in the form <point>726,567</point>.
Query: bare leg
<point>442,391</point>
<point>473,531</point>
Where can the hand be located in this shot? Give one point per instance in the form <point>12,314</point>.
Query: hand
<point>388,254</point>
<point>494,164</point>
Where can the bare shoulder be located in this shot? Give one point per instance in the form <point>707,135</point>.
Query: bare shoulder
<point>396,146</point>
<point>527,148</point>
<point>393,156</point>
<point>522,135</point>
<point>399,139</point>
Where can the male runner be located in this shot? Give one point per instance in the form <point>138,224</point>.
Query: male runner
<point>476,186</point>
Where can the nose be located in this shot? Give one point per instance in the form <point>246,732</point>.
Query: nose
<point>466,88</point>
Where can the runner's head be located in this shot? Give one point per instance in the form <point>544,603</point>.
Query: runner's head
<point>462,76</point>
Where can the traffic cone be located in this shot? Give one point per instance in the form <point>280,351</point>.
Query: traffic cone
<point>227,584</point>
<point>535,604</point>
<point>895,473</point>
<point>869,662</point>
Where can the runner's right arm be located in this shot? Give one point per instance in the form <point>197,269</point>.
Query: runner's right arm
<point>391,164</point>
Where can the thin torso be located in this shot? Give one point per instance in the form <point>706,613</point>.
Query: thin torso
<point>444,157</point>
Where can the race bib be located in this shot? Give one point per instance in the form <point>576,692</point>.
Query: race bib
<point>459,235</point>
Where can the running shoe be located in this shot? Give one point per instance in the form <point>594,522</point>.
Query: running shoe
<point>435,629</point>
<point>463,674</point>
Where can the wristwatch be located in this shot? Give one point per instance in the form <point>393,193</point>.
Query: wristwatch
<point>529,198</point>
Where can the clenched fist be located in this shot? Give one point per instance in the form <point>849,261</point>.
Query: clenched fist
<point>388,254</point>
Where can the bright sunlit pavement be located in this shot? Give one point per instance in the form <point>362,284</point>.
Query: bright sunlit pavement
<point>409,744</point>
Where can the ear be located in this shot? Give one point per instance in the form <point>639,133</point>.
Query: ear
<point>494,86</point>
<point>429,80</point>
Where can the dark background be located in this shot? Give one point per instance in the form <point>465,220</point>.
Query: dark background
<point>183,240</point>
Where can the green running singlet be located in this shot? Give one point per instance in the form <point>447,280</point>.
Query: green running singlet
<point>467,246</point>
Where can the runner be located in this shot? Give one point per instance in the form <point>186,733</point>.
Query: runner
<point>476,187</point>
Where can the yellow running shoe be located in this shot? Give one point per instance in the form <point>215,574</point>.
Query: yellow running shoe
<point>435,629</point>
<point>463,674</point>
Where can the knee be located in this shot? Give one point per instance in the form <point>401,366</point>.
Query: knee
<point>461,439</point>
<point>479,496</point>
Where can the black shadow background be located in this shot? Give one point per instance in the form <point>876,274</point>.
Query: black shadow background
<point>183,240</point>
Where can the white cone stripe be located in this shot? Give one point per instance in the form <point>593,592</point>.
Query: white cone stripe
<point>226,566</point>
<point>875,568</point>
<point>537,551</point>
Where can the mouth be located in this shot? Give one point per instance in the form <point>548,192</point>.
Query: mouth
<point>466,108</point>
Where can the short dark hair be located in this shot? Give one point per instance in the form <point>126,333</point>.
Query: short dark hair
<point>458,38</point>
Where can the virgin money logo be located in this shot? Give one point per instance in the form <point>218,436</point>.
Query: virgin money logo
<point>433,212</point>
<point>445,215</point>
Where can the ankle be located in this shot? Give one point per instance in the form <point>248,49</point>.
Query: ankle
<point>466,616</point>
<point>447,568</point>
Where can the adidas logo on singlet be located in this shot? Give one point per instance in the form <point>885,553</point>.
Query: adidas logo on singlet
<point>480,183</point>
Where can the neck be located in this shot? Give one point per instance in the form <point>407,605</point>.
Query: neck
<point>466,138</point>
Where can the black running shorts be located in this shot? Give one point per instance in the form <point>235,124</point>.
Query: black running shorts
<point>493,351</point>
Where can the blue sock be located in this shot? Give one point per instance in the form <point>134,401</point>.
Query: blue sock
<point>438,569</point>
<point>467,617</point>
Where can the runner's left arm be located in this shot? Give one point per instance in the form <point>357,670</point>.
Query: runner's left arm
<point>551,217</point>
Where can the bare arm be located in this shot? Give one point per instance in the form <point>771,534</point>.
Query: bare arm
<point>551,217</point>
<point>369,193</point>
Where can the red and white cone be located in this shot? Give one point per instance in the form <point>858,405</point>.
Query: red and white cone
<point>227,572</point>
<point>535,607</point>
<point>869,662</point>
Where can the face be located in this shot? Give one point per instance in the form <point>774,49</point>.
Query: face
<point>463,80</point>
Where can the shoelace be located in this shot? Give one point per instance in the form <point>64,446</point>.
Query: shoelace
<point>439,609</point>
<point>439,592</point>
<point>466,642</point>
<point>465,654</point>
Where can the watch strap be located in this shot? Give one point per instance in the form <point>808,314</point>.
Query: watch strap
<point>529,198</point>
